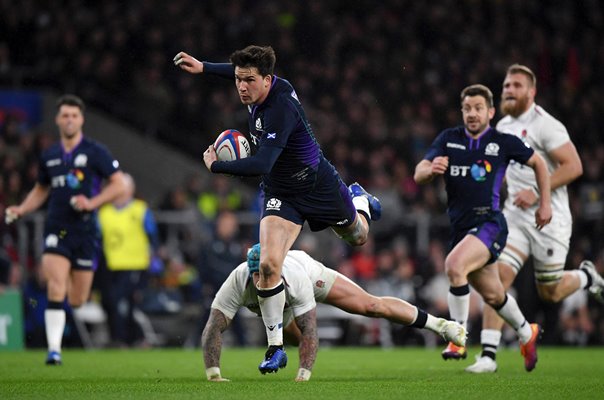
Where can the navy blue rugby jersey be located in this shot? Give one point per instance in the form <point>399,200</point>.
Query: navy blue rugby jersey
<point>80,171</point>
<point>279,122</point>
<point>476,171</point>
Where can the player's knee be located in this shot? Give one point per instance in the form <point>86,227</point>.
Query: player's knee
<point>356,234</point>
<point>454,271</point>
<point>549,293</point>
<point>547,278</point>
<point>551,298</point>
<point>493,298</point>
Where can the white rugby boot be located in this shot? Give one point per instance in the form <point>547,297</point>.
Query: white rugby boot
<point>482,365</point>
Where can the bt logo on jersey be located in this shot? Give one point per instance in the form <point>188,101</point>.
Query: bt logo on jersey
<point>459,170</point>
<point>478,170</point>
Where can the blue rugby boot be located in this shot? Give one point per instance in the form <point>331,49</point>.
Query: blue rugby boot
<point>375,207</point>
<point>274,359</point>
<point>54,358</point>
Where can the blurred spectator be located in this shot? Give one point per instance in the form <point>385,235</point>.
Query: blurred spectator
<point>221,196</point>
<point>575,322</point>
<point>130,248</point>
<point>218,258</point>
<point>7,276</point>
<point>364,262</point>
<point>181,280</point>
<point>182,236</point>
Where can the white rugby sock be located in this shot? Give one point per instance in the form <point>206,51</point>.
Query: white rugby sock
<point>272,302</point>
<point>511,314</point>
<point>55,325</point>
<point>433,323</point>
<point>490,339</point>
<point>458,299</point>
<point>362,205</point>
<point>582,276</point>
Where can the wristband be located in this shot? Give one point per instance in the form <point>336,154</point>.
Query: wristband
<point>213,372</point>
<point>303,374</point>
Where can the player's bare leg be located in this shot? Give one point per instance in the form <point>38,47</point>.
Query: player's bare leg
<point>56,271</point>
<point>79,287</point>
<point>510,261</point>
<point>350,297</point>
<point>492,324</point>
<point>276,237</point>
<point>356,233</point>
<point>486,281</point>
<point>469,255</point>
<point>555,292</point>
<point>368,209</point>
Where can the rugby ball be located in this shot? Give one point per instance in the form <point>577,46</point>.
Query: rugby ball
<point>231,145</point>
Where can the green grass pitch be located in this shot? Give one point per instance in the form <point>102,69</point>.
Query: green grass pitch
<point>339,373</point>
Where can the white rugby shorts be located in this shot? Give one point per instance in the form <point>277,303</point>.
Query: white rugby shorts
<point>549,247</point>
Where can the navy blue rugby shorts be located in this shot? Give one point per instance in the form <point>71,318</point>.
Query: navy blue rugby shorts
<point>493,232</point>
<point>81,248</point>
<point>328,204</point>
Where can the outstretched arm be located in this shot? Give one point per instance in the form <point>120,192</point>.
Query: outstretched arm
<point>188,63</point>
<point>211,344</point>
<point>35,198</point>
<point>309,343</point>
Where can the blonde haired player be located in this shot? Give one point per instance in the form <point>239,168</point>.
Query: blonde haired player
<point>549,245</point>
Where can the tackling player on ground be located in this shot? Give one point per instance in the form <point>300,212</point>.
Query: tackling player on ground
<point>308,282</point>
<point>298,183</point>
<point>472,159</point>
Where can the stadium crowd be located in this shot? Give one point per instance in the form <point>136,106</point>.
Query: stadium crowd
<point>379,81</point>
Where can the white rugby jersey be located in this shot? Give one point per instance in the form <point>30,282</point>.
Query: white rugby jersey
<point>544,133</point>
<point>299,272</point>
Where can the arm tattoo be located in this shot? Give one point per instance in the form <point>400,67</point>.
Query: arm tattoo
<point>309,345</point>
<point>211,338</point>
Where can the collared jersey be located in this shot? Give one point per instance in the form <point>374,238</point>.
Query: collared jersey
<point>280,121</point>
<point>476,170</point>
<point>544,134</point>
<point>80,171</point>
<point>299,272</point>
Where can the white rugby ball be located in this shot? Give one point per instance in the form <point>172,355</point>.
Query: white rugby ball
<point>231,145</point>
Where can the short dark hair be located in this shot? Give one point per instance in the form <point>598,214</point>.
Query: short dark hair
<point>261,57</point>
<point>523,69</point>
<point>478,90</point>
<point>71,100</point>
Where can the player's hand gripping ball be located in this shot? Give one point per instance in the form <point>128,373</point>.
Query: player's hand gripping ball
<point>231,145</point>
